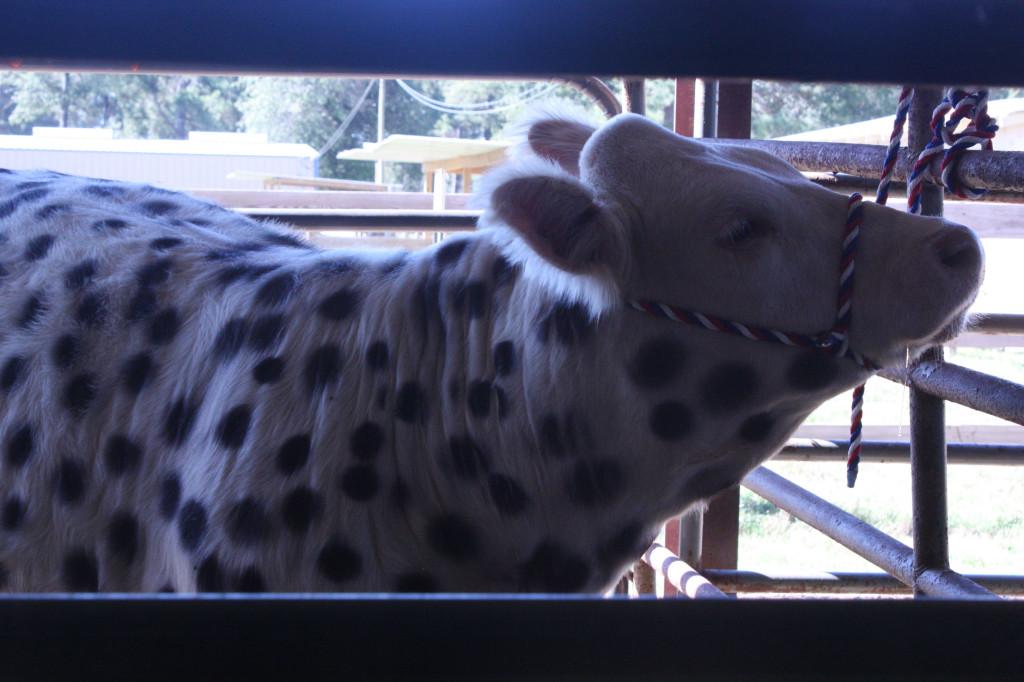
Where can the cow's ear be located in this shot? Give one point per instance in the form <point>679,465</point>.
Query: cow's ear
<point>560,220</point>
<point>560,140</point>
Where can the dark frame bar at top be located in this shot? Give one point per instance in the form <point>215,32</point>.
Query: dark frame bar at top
<point>854,40</point>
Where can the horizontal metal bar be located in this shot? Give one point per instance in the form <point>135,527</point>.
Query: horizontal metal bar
<point>842,182</point>
<point>979,391</point>
<point>683,577</point>
<point>820,450</point>
<point>985,170</point>
<point>997,323</point>
<point>784,39</point>
<point>837,582</point>
<point>463,638</point>
<point>866,541</point>
<point>368,219</point>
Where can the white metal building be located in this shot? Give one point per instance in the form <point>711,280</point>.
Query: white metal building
<point>203,161</point>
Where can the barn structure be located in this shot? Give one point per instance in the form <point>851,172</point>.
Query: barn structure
<point>955,629</point>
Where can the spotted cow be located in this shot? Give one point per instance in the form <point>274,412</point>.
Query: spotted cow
<point>194,401</point>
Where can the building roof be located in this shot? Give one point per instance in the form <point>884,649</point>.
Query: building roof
<point>198,143</point>
<point>421,149</point>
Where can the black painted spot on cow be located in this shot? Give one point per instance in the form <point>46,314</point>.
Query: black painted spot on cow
<point>170,496</point>
<point>339,305</point>
<point>122,455</point>
<point>179,419</point>
<point>155,272</point>
<point>280,239</point>
<point>218,255</point>
<point>504,358</point>
<point>266,330</point>
<point>164,326</point>
<point>671,420</point>
<point>80,572</point>
<point>276,290</point>
<point>20,445</point>
<point>247,522</point>
<point>293,454</point>
<point>268,370</point>
<point>728,387</point>
<point>503,273</point>
<point>366,441</point>
<point>468,459</point>
<point>251,246</point>
<point>232,274</point>
<point>165,243</point>
<point>756,428</point>
<point>595,483</point>
<point>449,253</point>
<point>92,309</point>
<point>300,509</point>
<point>209,575</point>
<point>657,363</point>
<point>104,191</point>
<point>191,524</point>
<point>551,436</point>
<point>38,247</point>
<point>230,339</point>
<point>79,393</point>
<point>811,371</point>
<point>502,400</point>
<point>323,367</point>
<point>15,202</point>
<point>158,207</point>
<point>12,372</point>
<point>471,298</point>
<point>571,323</point>
<point>31,184</point>
<point>411,403</point>
<point>234,426</point>
<point>69,481</point>
<point>453,538</point>
<point>65,350</point>
<point>338,562</point>
<point>551,568</point>
<point>110,225</point>
<point>626,544</point>
<point>377,355</point>
<point>50,210</point>
<point>142,305</point>
<point>135,372</point>
<point>507,494</point>
<point>359,483</point>
<point>250,581</point>
<point>31,311</point>
<point>426,306</point>
<point>478,398</point>
<point>416,583</point>
<point>13,513</point>
<point>400,495</point>
<point>79,275</point>
<point>254,272</point>
<point>123,537</point>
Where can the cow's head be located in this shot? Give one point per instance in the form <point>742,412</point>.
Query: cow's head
<point>730,231</point>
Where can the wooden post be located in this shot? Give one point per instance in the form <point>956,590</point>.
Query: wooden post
<point>686,105</point>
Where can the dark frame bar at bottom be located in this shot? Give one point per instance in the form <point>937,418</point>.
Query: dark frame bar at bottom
<point>502,638</point>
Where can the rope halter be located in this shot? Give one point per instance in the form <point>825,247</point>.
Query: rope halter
<point>833,341</point>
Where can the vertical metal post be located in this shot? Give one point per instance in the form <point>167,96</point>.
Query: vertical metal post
<point>709,108</point>
<point>636,100</point>
<point>378,166</point>
<point>722,518</point>
<point>927,413</point>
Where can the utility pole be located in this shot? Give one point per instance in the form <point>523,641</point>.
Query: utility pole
<point>378,166</point>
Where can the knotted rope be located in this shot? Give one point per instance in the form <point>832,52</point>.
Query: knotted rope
<point>961,105</point>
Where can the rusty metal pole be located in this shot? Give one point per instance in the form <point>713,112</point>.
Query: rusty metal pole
<point>927,413</point>
<point>636,100</point>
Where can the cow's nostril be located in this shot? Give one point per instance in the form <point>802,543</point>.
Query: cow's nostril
<point>958,250</point>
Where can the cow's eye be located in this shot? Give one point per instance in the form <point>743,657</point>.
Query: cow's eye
<point>742,233</point>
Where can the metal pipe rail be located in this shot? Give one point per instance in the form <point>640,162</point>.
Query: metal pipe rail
<point>837,582</point>
<point>368,219</point>
<point>821,450</point>
<point>995,170</point>
<point>886,552</point>
<point>683,577</point>
<point>979,391</point>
